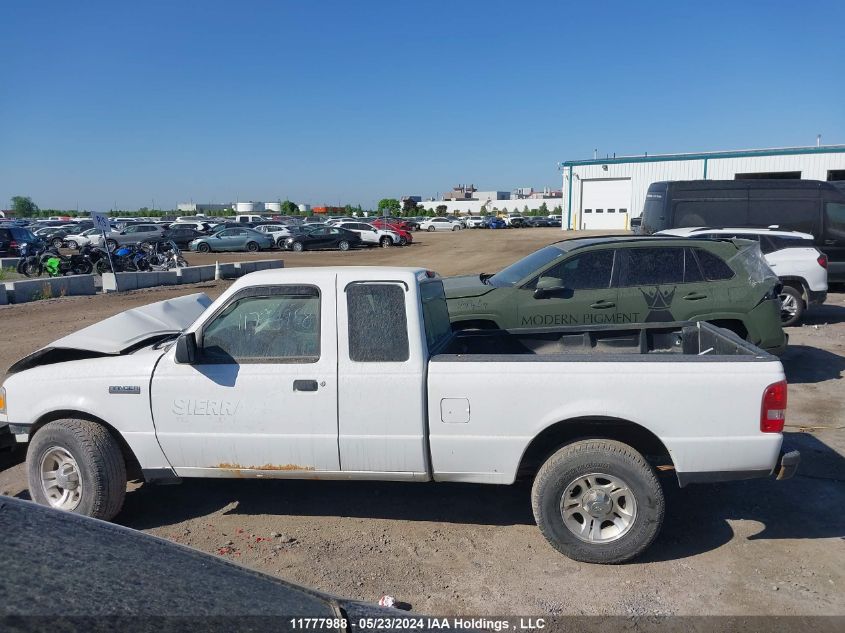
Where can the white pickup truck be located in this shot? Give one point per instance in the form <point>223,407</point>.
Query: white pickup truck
<point>355,373</point>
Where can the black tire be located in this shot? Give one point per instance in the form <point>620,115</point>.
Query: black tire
<point>98,456</point>
<point>83,268</point>
<point>618,461</point>
<point>281,243</point>
<point>456,228</point>
<point>57,243</point>
<point>403,241</point>
<point>203,247</point>
<point>111,245</point>
<point>794,314</point>
<point>31,267</point>
<point>386,242</point>
<point>343,245</point>
<point>431,229</point>
<point>297,247</point>
<point>102,266</point>
<point>252,247</point>
<point>72,245</point>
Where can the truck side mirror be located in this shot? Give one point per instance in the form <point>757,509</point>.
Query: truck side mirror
<point>186,349</point>
<point>549,287</point>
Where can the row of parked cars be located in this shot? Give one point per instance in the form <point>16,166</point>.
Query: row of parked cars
<point>205,236</point>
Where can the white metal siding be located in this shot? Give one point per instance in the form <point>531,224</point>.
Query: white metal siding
<point>812,167</point>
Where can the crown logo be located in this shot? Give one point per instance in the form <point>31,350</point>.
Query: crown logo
<point>659,299</point>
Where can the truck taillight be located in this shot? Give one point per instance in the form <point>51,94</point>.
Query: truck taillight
<point>773,411</point>
<point>13,244</point>
<point>822,260</point>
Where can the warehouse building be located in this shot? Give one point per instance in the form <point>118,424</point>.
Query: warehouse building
<point>605,193</point>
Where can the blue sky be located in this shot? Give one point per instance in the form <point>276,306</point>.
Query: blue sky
<point>335,102</point>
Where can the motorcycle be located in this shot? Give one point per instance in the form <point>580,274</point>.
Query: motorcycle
<point>57,265</point>
<point>29,262</point>
<point>163,255</point>
<point>130,259</point>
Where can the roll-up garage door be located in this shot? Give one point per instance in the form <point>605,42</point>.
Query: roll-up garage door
<point>606,203</point>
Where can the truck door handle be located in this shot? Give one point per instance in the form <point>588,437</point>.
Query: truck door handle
<point>694,296</point>
<point>602,304</point>
<point>305,385</point>
<point>829,242</point>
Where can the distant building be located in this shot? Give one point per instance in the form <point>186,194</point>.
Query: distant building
<point>329,210</point>
<point>202,207</point>
<point>467,200</point>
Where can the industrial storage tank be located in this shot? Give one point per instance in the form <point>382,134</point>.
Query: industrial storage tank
<point>274,207</point>
<point>248,207</point>
<point>304,208</point>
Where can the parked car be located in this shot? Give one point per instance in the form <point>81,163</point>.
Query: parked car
<point>538,221</point>
<point>405,235</point>
<point>182,236</point>
<point>11,238</point>
<point>283,377</point>
<point>236,239</point>
<point>323,237</point>
<point>809,206</point>
<point>440,224</point>
<point>370,235</point>
<point>800,266</point>
<point>493,222</point>
<point>78,240</point>
<point>279,232</point>
<point>592,280</point>
<point>515,221</point>
<point>131,234</point>
<point>200,227</point>
<point>475,222</point>
<point>52,235</point>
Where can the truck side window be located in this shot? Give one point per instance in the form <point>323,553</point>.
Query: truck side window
<point>713,267</point>
<point>378,326</point>
<point>268,328</point>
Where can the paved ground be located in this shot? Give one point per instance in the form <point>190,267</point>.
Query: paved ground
<point>757,547</point>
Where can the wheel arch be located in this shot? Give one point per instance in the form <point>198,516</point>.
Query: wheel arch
<point>133,466</point>
<point>797,282</point>
<point>563,432</point>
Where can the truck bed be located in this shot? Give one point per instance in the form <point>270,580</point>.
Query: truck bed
<point>671,341</point>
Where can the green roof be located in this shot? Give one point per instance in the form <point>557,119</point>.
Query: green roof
<point>743,153</point>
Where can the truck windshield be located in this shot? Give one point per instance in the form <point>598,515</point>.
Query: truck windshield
<point>438,327</point>
<point>518,271</point>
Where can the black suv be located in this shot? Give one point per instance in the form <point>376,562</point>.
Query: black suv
<point>11,237</point>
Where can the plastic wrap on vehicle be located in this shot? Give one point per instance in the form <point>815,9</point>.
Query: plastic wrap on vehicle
<point>750,258</point>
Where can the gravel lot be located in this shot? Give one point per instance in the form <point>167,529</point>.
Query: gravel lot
<point>745,548</point>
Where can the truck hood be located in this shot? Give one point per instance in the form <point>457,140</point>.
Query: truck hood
<point>121,333</point>
<point>465,286</point>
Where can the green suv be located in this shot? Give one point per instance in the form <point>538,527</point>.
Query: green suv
<point>595,280</point>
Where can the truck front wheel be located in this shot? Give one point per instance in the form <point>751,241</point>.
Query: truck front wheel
<point>598,501</point>
<point>77,466</point>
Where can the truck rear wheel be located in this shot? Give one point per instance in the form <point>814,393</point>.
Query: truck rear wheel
<point>77,466</point>
<point>598,501</point>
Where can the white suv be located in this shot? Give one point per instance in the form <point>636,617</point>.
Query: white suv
<point>370,235</point>
<point>791,255</point>
<point>440,224</point>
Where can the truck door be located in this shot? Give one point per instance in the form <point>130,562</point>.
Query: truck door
<point>381,392</point>
<point>263,393</point>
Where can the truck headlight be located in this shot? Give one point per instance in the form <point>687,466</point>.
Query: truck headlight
<point>2,400</point>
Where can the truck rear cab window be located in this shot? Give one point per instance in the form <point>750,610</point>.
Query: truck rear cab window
<point>713,266</point>
<point>438,326</point>
<point>264,327</point>
<point>378,325</point>
<point>834,213</point>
